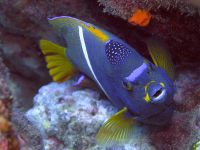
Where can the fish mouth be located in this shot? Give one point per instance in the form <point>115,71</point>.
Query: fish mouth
<point>158,93</point>
<point>161,117</point>
<point>159,96</point>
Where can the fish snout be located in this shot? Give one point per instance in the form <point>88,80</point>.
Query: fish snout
<point>157,93</point>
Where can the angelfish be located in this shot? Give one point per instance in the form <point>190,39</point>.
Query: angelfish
<point>141,90</point>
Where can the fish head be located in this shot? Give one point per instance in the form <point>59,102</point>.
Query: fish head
<point>148,93</point>
<point>145,89</point>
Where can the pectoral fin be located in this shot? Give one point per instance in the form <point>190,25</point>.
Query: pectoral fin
<point>161,56</point>
<point>60,67</point>
<point>85,81</point>
<point>81,81</point>
<point>117,130</point>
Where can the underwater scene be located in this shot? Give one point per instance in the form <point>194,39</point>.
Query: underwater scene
<point>99,75</point>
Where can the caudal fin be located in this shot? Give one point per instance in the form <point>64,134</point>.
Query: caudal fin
<point>60,68</point>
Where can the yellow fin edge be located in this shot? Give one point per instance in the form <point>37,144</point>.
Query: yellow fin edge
<point>161,56</point>
<point>115,131</point>
<point>58,23</point>
<point>60,67</point>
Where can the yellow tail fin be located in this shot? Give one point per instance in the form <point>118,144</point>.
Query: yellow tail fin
<point>60,67</point>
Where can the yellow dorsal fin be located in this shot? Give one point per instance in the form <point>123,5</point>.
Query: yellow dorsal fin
<point>60,22</point>
<point>116,131</point>
<point>161,56</point>
<point>60,67</point>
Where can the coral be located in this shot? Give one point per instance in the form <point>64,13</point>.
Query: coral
<point>4,81</point>
<point>181,133</point>
<point>188,85</point>
<point>172,136</point>
<point>68,116</point>
<point>3,142</point>
<point>28,135</point>
<point>8,139</point>
<point>125,8</point>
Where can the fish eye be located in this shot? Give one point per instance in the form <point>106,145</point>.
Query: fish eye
<point>126,84</point>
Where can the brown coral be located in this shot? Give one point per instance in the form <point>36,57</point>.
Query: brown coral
<point>4,115</point>
<point>9,140</point>
<point>125,8</point>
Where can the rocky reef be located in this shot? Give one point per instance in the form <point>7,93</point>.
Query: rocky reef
<point>8,138</point>
<point>59,116</point>
<point>69,117</point>
<point>126,8</point>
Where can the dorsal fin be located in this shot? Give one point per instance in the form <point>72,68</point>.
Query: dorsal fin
<point>60,67</point>
<point>62,23</point>
<point>161,56</point>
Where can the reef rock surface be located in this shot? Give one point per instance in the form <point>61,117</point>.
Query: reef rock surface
<point>8,137</point>
<point>70,117</point>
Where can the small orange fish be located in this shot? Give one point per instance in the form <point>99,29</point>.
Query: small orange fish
<point>141,18</point>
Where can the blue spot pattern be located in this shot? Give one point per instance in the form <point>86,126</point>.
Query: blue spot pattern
<point>116,52</point>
